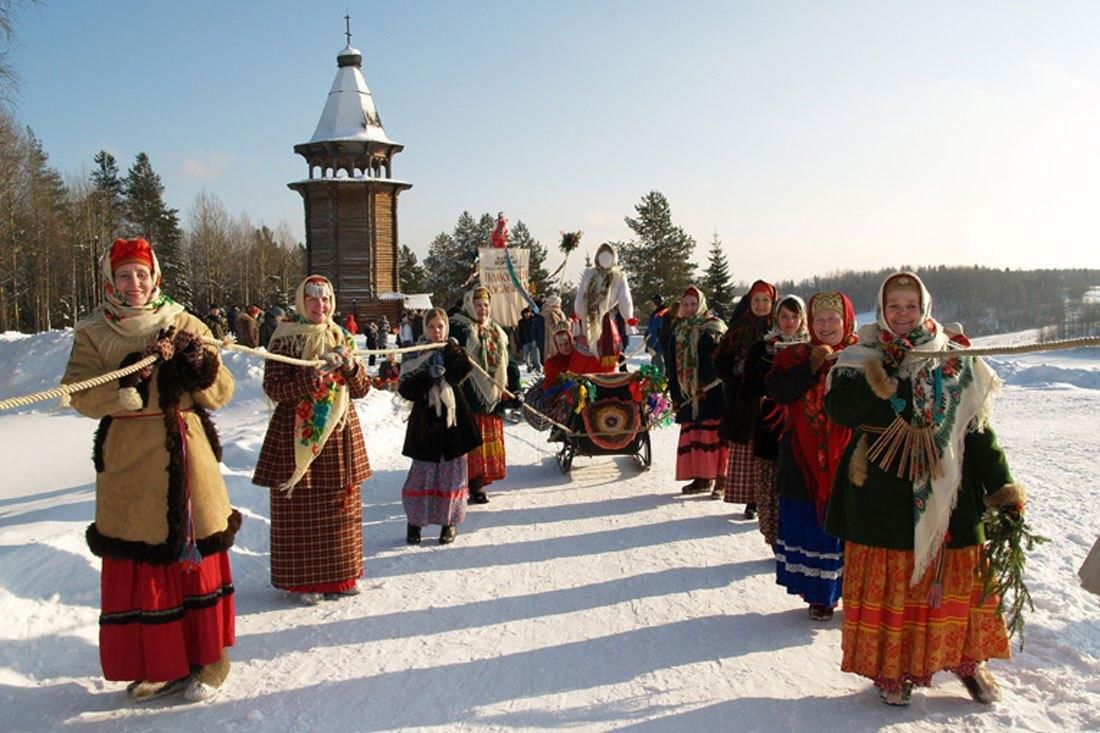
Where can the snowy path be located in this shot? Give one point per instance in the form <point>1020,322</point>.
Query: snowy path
<point>608,602</point>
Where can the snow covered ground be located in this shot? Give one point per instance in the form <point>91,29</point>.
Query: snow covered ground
<point>604,601</point>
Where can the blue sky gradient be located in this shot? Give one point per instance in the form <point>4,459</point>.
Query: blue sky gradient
<point>811,136</point>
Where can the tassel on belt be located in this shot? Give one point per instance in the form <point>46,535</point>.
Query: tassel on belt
<point>913,447</point>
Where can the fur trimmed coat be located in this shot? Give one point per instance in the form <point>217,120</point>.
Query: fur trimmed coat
<point>875,507</point>
<point>147,460</point>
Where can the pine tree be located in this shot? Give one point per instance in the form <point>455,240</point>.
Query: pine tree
<point>110,190</point>
<point>659,259</point>
<point>717,284</point>
<point>537,275</point>
<point>412,273</point>
<point>148,216</point>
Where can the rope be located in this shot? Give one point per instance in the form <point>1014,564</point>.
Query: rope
<point>1084,342</point>
<point>234,346</point>
<point>524,405</point>
<point>67,389</point>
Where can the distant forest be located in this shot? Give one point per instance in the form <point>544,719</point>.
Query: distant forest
<point>985,300</point>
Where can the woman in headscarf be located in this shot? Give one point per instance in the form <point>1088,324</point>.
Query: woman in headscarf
<point>809,561</point>
<point>487,344</point>
<point>922,466</point>
<point>751,321</point>
<point>555,320</point>
<point>440,432</point>
<point>790,328</point>
<point>163,521</point>
<point>313,457</point>
<point>696,392</point>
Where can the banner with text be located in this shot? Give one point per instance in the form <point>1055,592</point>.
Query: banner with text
<point>493,272</point>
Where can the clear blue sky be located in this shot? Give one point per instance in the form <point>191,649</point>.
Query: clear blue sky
<point>813,136</point>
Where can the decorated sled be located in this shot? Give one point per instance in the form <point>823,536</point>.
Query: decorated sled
<point>607,414</point>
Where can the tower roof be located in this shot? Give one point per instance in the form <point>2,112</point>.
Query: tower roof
<point>349,112</point>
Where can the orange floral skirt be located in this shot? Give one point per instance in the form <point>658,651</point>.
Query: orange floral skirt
<point>893,636</point>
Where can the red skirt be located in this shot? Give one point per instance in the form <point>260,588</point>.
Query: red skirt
<point>158,620</point>
<point>487,460</point>
<point>700,453</point>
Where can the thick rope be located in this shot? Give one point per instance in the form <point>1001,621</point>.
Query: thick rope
<point>524,405</point>
<point>68,389</point>
<point>1084,342</point>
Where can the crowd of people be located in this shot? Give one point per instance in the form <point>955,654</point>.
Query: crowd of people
<point>867,471</point>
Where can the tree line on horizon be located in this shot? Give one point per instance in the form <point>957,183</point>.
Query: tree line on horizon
<point>53,232</point>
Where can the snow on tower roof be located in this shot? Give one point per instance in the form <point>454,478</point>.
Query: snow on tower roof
<point>349,112</point>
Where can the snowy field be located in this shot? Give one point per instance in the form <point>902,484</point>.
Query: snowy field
<point>604,601</point>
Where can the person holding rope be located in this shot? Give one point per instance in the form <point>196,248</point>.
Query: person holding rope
<point>696,392</point>
<point>313,458</point>
<point>809,562</point>
<point>441,431</point>
<point>910,492</point>
<point>750,322</point>
<point>790,328</point>
<point>487,344</point>
<point>163,522</point>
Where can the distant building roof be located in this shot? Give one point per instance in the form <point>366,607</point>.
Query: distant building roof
<point>349,112</point>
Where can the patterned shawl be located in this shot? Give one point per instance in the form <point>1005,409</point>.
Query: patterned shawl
<point>685,338</point>
<point>319,415</point>
<point>132,327</point>
<point>950,398</point>
<point>488,345</point>
<point>746,328</point>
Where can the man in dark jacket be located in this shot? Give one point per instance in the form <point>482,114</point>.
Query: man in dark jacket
<point>653,345</point>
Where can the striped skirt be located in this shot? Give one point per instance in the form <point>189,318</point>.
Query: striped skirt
<point>435,493</point>
<point>893,636</point>
<point>316,539</point>
<point>158,620</point>
<point>767,498</point>
<point>487,460</point>
<point>808,562</point>
<point>701,453</point>
<point>738,475</point>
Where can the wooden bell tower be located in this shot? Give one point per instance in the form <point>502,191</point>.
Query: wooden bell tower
<point>350,196</point>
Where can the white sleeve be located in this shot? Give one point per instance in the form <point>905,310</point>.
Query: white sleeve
<point>626,302</point>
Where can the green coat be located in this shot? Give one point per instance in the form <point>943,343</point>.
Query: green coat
<point>880,512</point>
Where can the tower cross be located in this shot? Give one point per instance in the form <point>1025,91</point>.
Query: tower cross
<point>347,23</point>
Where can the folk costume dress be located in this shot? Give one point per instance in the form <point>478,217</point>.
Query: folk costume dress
<point>700,453</point>
<point>163,522</point>
<point>770,419</point>
<point>912,523</point>
<point>737,479</point>
<point>487,344</point>
<point>809,562</point>
<point>603,290</point>
<point>314,459</point>
<point>440,432</point>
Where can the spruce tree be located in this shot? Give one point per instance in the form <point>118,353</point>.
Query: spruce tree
<point>717,284</point>
<point>537,275</point>
<point>110,192</point>
<point>659,259</point>
<point>412,273</point>
<point>148,216</point>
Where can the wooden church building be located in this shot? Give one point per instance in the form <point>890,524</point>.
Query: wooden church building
<point>350,196</point>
